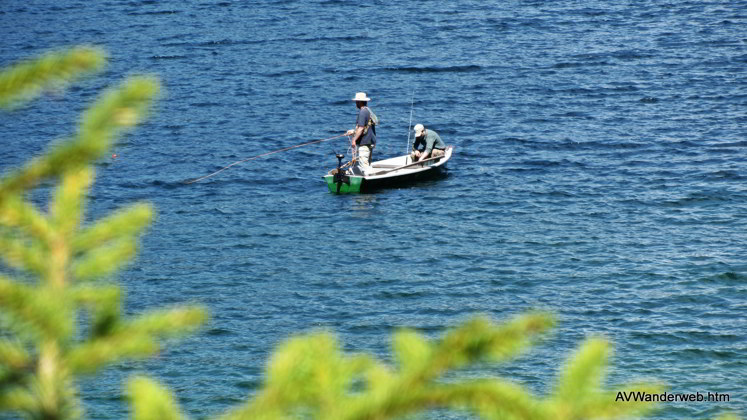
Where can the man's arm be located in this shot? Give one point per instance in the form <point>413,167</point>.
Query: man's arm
<point>357,133</point>
<point>429,140</point>
<point>417,143</point>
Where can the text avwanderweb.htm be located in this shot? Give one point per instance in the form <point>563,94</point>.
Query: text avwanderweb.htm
<point>642,396</point>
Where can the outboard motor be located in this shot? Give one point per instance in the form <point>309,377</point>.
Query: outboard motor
<point>340,176</point>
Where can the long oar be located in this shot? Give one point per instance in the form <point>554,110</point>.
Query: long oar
<point>259,156</point>
<point>406,166</point>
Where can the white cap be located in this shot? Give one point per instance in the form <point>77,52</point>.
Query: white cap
<point>361,97</point>
<point>419,130</point>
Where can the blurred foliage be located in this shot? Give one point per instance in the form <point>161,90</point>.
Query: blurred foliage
<point>309,377</point>
<point>63,319</point>
<point>54,70</point>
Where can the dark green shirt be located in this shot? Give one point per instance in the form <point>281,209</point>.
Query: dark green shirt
<point>430,140</point>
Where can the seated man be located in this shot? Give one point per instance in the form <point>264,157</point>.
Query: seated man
<point>432,145</point>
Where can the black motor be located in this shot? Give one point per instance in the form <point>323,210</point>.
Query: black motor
<point>340,176</point>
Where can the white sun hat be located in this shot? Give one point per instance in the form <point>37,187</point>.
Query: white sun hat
<point>361,97</point>
<point>419,130</point>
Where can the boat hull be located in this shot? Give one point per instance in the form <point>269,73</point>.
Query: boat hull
<point>349,185</point>
<point>390,173</point>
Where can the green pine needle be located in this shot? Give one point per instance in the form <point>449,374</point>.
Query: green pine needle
<point>26,80</point>
<point>151,401</point>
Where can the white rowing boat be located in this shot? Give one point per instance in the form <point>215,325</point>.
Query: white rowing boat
<point>392,172</point>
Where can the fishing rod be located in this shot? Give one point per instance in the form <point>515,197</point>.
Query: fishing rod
<point>259,156</point>
<point>409,128</point>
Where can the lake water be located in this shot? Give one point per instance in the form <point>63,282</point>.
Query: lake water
<point>600,173</point>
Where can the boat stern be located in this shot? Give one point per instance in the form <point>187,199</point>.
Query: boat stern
<point>346,185</point>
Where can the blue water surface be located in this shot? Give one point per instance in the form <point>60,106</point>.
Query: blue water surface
<point>600,173</point>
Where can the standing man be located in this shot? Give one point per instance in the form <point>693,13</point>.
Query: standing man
<point>432,145</point>
<point>364,133</point>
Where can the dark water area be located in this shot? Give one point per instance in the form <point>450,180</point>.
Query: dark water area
<point>600,173</point>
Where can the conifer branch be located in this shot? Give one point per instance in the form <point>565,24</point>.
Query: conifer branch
<point>169,322</point>
<point>17,214</point>
<point>67,206</point>
<point>25,80</point>
<point>126,222</point>
<point>491,399</point>
<point>309,372</point>
<point>115,111</point>
<point>99,352</point>
<point>34,312</point>
<point>479,339</point>
<point>151,401</point>
<point>579,392</point>
<point>96,297</point>
<point>22,253</point>
<point>584,372</point>
<point>103,303</point>
<point>13,356</point>
<point>135,339</point>
<point>18,398</point>
<point>39,367</point>
<point>104,260</point>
